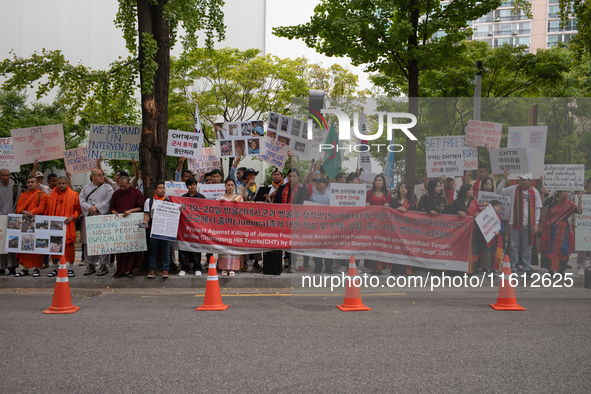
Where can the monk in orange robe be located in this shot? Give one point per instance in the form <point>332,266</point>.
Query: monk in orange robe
<point>63,201</point>
<point>32,202</point>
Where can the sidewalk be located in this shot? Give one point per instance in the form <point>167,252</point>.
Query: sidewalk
<point>250,279</point>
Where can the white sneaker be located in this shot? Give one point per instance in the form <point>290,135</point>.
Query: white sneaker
<point>197,273</point>
<point>581,272</point>
<point>182,273</point>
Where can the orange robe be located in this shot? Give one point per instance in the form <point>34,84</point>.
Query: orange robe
<point>35,202</point>
<point>65,204</point>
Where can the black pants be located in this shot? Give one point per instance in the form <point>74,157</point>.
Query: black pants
<point>188,258</point>
<point>327,263</point>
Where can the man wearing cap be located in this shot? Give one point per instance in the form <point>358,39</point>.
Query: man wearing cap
<point>39,175</point>
<point>95,199</point>
<point>526,204</point>
<point>250,187</point>
<point>276,181</point>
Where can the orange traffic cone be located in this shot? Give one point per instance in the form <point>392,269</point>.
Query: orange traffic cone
<point>506,300</point>
<point>213,296</point>
<point>353,300</point>
<point>62,300</point>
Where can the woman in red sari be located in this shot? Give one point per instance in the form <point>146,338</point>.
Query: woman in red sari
<point>379,195</point>
<point>466,205</point>
<point>558,240</point>
<point>404,201</point>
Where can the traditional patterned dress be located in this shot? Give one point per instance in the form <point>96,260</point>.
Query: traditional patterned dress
<point>471,209</point>
<point>398,269</point>
<point>121,201</point>
<point>374,200</point>
<point>228,262</point>
<point>557,235</point>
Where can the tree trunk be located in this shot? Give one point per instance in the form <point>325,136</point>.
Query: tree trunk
<point>413,100</point>
<point>151,20</point>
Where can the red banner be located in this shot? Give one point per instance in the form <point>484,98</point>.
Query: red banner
<point>376,233</point>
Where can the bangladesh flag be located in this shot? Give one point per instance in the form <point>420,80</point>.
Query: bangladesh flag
<point>332,159</point>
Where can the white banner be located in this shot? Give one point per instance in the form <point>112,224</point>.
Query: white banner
<point>7,155</point>
<point>3,223</point>
<point>347,194</point>
<point>36,235</point>
<point>175,188</point>
<point>489,222</point>
<point>114,142</point>
<point>569,177</point>
<point>212,191</point>
<point>165,222</point>
<point>487,197</point>
<point>41,143</point>
<point>77,161</point>
<point>183,143</point>
<point>583,223</point>
<point>108,234</point>
<point>480,133</point>
<point>513,160</point>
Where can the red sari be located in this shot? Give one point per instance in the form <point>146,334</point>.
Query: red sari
<point>472,210</point>
<point>557,235</point>
<point>410,205</point>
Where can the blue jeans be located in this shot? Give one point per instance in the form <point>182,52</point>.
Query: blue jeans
<point>519,239</point>
<point>153,245</point>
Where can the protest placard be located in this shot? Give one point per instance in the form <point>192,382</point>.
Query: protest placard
<point>114,142</point>
<point>480,133</point>
<point>292,132</point>
<point>489,222</point>
<point>108,234</point>
<point>41,143</point>
<point>367,179</point>
<point>487,197</point>
<point>534,139</point>
<point>275,153</point>
<point>449,156</point>
<point>7,155</point>
<point>206,163</point>
<point>347,194</point>
<point>583,223</point>
<point>183,143</point>
<point>569,177</point>
<point>165,222</point>
<point>3,223</point>
<point>513,160</point>
<point>35,235</point>
<point>175,188</point>
<point>212,191</point>
<point>77,161</point>
<point>420,191</point>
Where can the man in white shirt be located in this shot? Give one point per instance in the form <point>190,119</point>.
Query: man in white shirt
<point>526,204</point>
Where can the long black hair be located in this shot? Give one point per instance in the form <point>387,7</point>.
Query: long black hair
<point>483,182</point>
<point>384,190</point>
<point>463,190</point>
<point>408,193</point>
<point>432,185</point>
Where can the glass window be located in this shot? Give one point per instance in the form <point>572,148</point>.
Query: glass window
<point>483,30</point>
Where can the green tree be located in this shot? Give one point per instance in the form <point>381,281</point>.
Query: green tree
<point>396,37</point>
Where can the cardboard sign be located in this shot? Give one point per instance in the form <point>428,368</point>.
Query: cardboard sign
<point>36,235</point>
<point>513,160</point>
<point>182,143</point>
<point>487,197</point>
<point>7,155</point>
<point>3,223</point>
<point>480,133</point>
<point>583,223</point>
<point>289,131</point>
<point>176,188</point>
<point>420,191</point>
<point>569,177</point>
<point>489,222</point>
<point>275,153</point>
<point>165,222</point>
<point>534,139</point>
<point>41,143</point>
<point>347,194</point>
<point>449,156</point>
<point>108,234</point>
<point>114,142</point>
<point>367,179</point>
<point>206,163</point>
<point>212,191</point>
<point>77,161</point>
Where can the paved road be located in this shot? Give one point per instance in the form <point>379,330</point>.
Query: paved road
<point>154,341</point>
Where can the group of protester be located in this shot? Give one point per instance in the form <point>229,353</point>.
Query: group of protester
<point>123,196</point>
